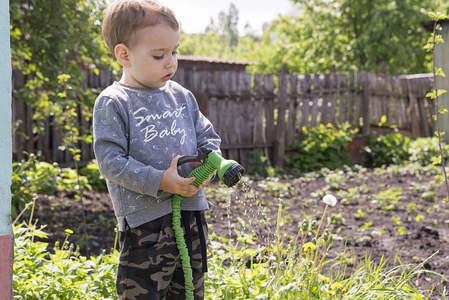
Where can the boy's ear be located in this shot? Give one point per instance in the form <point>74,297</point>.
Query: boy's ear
<point>122,54</point>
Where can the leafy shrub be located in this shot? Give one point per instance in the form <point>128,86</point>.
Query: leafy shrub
<point>426,150</point>
<point>31,176</point>
<point>92,173</point>
<point>72,182</point>
<point>259,165</point>
<point>322,147</point>
<point>388,149</point>
<point>60,273</point>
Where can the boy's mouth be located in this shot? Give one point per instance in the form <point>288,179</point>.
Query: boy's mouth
<point>167,77</point>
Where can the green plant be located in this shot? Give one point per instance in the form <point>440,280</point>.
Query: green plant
<point>426,151</point>
<point>388,149</point>
<point>397,222</point>
<point>336,180</point>
<point>92,173</point>
<point>50,40</point>
<point>31,176</point>
<point>260,165</point>
<point>428,196</point>
<point>275,187</point>
<point>388,200</point>
<point>61,272</point>
<point>321,147</point>
<point>360,214</point>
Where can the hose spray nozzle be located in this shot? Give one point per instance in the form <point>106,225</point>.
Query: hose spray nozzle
<point>228,170</point>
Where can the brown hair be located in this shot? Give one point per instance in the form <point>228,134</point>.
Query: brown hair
<point>123,18</point>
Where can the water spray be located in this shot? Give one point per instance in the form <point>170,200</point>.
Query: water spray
<point>227,170</point>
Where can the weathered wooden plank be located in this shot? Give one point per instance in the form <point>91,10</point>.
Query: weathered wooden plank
<point>234,129</point>
<point>279,144</point>
<point>343,98</point>
<point>332,104</point>
<point>268,84</point>
<point>221,120</point>
<point>325,118</point>
<point>247,126</point>
<point>306,100</point>
<point>105,79</point>
<point>269,108</point>
<point>315,101</point>
<point>246,115</point>
<point>244,80</point>
<point>291,110</point>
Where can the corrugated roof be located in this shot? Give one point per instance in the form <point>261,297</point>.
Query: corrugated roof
<point>215,60</point>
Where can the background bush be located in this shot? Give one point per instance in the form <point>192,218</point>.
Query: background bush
<point>425,150</point>
<point>388,149</point>
<point>321,147</point>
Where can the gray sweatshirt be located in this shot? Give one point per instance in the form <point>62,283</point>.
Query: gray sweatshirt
<point>137,132</point>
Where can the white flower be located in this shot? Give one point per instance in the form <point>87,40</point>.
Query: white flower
<point>330,200</point>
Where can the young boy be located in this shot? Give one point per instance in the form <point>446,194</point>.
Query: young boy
<point>142,125</point>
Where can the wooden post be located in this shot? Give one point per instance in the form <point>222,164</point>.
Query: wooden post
<point>365,110</point>
<point>6,236</point>
<point>279,144</point>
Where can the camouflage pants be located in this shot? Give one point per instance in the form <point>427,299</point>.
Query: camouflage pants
<point>149,263</point>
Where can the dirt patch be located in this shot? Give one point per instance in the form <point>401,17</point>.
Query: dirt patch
<point>411,226</point>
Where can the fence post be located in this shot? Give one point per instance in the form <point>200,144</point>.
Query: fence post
<point>365,103</point>
<point>6,236</point>
<point>279,144</point>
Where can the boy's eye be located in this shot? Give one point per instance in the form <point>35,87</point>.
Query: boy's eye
<point>160,57</point>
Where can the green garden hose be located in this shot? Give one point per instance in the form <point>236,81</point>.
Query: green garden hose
<point>229,171</point>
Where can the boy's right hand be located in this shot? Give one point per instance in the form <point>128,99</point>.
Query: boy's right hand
<point>173,183</point>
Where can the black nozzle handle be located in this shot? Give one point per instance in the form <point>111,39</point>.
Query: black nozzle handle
<point>201,157</point>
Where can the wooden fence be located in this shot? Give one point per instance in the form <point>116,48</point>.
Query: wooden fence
<point>244,109</point>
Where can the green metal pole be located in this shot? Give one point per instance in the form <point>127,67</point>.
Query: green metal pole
<point>442,61</point>
<point>6,236</point>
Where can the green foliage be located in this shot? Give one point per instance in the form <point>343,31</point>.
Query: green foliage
<point>426,151</point>
<point>60,273</point>
<point>72,182</point>
<point>221,39</point>
<point>260,165</point>
<point>275,187</point>
<point>388,200</point>
<point>391,148</point>
<point>428,196</point>
<point>31,176</point>
<point>395,149</point>
<point>321,147</point>
<point>350,35</point>
<point>49,39</point>
<point>95,179</point>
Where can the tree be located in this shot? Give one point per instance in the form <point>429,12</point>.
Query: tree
<point>350,35</point>
<point>49,39</point>
<point>220,38</point>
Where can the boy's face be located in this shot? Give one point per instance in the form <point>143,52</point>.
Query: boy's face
<point>152,61</point>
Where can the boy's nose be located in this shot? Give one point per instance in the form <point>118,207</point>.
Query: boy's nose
<point>171,62</point>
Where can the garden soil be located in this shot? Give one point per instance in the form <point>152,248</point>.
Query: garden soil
<point>407,230</point>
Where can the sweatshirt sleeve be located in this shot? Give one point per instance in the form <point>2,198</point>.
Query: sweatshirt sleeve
<point>110,133</point>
